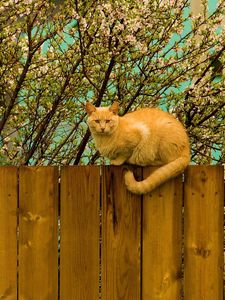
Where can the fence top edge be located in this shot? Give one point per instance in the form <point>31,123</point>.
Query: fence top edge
<point>219,167</point>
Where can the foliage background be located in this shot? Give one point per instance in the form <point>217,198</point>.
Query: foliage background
<point>54,56</point>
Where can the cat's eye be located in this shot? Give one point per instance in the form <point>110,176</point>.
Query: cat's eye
<point>107,121</point>
<point>97,121</point>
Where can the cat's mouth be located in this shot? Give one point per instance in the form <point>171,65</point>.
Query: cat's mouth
<point>103,132</point>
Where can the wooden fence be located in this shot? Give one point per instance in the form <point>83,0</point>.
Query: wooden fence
<point>78,234</point>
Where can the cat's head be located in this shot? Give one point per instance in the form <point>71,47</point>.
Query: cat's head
<point>102,120</point>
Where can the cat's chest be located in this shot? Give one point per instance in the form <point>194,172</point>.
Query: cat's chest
<point>106,147</point>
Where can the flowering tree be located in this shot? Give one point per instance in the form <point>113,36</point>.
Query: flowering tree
<point>54,56</point>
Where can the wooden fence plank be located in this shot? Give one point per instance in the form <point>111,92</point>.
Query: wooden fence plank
<point>38,239</point>
<point>8,233</point>
<point>204,196</point>
<point>121,238</point>
<point>80,227</point>
<point>162,241</point>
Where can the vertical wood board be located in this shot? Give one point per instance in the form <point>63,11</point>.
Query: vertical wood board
<point>162,241</point>
<point>80,227</point>
<point>38,233</point>
<point>204,199</point>
<point>121,231</point>
<point>8,232</point>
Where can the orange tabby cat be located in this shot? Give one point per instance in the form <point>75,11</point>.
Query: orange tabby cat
<point>145,137</point>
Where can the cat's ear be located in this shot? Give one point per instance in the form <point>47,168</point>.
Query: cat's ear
<point>90,108</point>
<point>114,107</point>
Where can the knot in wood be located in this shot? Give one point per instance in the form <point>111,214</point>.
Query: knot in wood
<point>200,251</point>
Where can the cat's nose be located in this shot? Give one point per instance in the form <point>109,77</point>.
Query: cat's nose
<point>102,129</point>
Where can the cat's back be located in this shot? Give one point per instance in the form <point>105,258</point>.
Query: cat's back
<point>150,116</point>
<point>158,121</point>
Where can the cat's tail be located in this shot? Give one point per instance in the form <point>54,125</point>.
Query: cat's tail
<point>158,177</point>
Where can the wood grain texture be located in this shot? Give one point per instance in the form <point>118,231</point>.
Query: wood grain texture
<point>140,237</point>
<point>38,240</point>
<point>80,227</point>
<point>204,196</point>
<point>162,241</point>
<point>8,232</point>
<point>121,264</point>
